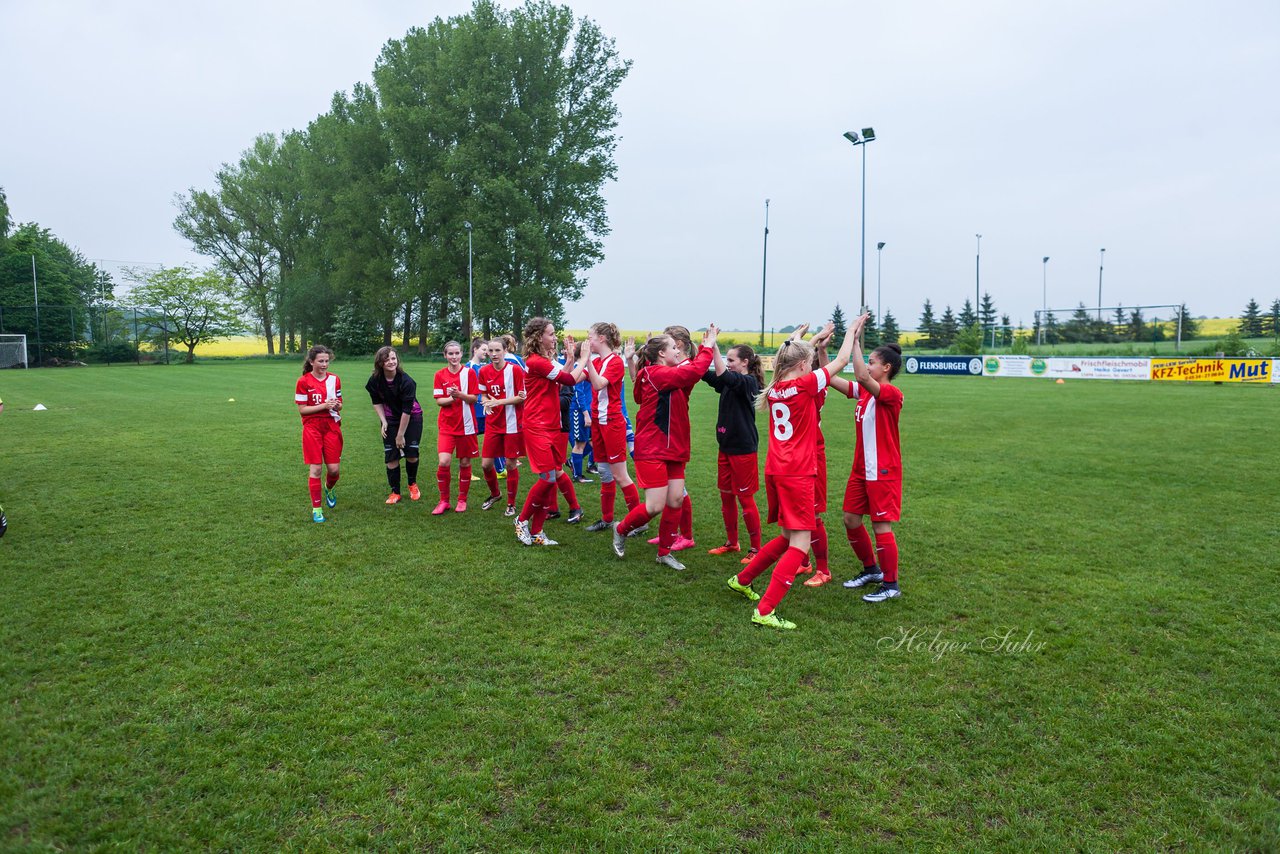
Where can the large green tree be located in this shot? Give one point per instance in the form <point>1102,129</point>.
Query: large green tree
<point>192,307</point>
<point>68,286</point>
<point>1251,320</point>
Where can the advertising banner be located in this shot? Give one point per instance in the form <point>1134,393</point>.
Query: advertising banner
<point>1213,370</point>
<point>958,366</point>
<point>1274,365</point>
<point>1007,366</point>
<point>1093,368</point>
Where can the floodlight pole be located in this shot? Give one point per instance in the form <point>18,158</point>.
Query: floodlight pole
<point>977,276</point>
<point>868,135</point>
<point>764,272</point>
<point>879,249</point>
<point>471,319</point>
<point>1044,297</point>
<point>1101,255</point>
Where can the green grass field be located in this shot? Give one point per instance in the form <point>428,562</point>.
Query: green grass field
<point>1086,655</point>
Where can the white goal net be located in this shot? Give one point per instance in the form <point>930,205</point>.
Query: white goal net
<point>13,351</point>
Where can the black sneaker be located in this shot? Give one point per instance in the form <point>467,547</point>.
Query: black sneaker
<point>600,525</point>
<point>868,577</point>
<point>575,516</point>
<point>490,501</point>
<point>554,514</point>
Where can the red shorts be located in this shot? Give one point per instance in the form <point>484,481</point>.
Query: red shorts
<point>462,447</point>
<point>738,473</point>
<point>654,474</point>
<point>498,445</point>
<point>820,487</point>
<point>791,502</point>
<point>321,442</point>
<point>609,442</point>
<point>879,499</point>
<point>545,449</point>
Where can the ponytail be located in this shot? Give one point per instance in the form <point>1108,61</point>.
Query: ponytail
<point>754,368</point>
<point>891,355</point>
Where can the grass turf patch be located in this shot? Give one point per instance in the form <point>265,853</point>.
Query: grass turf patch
<point>1085,654</point>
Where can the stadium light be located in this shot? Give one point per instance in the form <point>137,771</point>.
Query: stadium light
<point>471,316</point>
<point>764,273</point>
<point>868,135</point>
<point>1101,254</point>
<point>879,316</point>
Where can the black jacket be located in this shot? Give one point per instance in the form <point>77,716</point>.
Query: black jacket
<point>736,423</point>
<point>398,396</point>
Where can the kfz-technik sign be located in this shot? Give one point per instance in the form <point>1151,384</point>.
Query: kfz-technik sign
<point>1212,370</point>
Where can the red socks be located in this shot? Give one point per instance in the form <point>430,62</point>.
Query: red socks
<point>637,516</point>
<point>442,482</point>
<point>861,542</point>
<point>772,550</point>
<point>313,483</point>
<point>686,519</point>
<point>566,488</point>
<point>608,495</point>
<point>464,481</point>
<point>631,495</point>
<point>513,483</point>
<point>667,527</point>
<point>491,478</point>
<point>729,511</point>
<point>535,507</point>
<point>820,548</point>
<point>887,552</point>
<point>780,583</point>
<point>751,518</point>
<point>331,480</point>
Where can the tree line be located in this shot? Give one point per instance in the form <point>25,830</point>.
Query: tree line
<point>481,146</point>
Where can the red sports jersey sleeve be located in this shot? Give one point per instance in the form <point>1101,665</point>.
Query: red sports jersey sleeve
<point>456,418</point>
<point>793,425</point>
<point>877,453</point>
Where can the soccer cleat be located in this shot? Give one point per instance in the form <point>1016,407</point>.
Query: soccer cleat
<point>583,479</point>
<point>522,532</point>
<point>671,561</point>
<point>885,592</point>
<point>725,549</point>
<point>680,543</point>
<point>414,492</point>
<point>641,531</point>
<point>600,525</point>
<point>441,509</point>
<point>502,475</point>
<point>317,515</point>
<point>751,555</point>
<point>393,498</point>
<point>4,522</point>
<point>655,541</point>
<point>510,511</point>
<point>819,579</point>
<point>475,477</point>
<point>331,497</point>
<point>490,501</point>
<point>575,516</point>
<point>554,514</point>
<point>619,541</point>
<point>772,620</point>
<point>805,568</point>
<point>541,539</point>
<point>745,589</point>
<point>867,577</point>
<point>461,507</point>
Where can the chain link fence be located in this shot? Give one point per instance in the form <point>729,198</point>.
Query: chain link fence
<point>58,334</point>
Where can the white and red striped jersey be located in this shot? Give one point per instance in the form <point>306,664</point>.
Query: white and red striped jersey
<point>793,425</point>
<point>606,403</point>
<point>310,391</point>
<point>457,418</point>
<point>498,382</point>
<point>877,454</point>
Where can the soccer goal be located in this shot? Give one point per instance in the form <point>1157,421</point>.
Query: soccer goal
<point>13,350</point>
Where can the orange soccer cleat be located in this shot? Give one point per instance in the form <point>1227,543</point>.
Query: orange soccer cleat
<point>725,549</point>
<point>414,492</point>
<point>393,498</point>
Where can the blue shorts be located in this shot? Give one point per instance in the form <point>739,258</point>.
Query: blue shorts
<point>578,430</point>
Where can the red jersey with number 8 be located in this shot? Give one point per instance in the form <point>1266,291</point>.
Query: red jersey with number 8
<point>793,425</point>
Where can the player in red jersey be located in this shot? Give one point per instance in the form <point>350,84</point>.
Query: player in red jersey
<point>663,383</point>
<point>738,378</point>
<point>318,394</point>
<point>503,384</point>
<point>543,440</point>
<point>606,371</point>
<point>875,483</point>
<point>790,473</point>
<point>394,395</point>
<point>456,389</point>
<point>684,533</point>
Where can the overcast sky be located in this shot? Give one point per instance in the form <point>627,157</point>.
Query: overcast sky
<point>1148,128</point>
